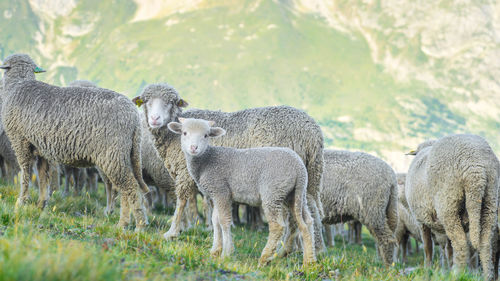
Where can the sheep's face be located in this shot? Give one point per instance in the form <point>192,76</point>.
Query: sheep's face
<point>195,134</point>
<point>162,104</point>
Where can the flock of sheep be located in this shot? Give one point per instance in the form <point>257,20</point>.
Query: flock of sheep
<point>271,158</point>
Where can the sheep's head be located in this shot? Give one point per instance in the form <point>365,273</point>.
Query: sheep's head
<point>195,134</point>
<point>20,66</point>
<point>162,104</point>
<point>421,147</point>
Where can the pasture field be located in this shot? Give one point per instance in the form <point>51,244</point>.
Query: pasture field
<point>72,239</point>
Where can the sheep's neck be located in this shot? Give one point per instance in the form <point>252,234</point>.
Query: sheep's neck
<point>14,76</point>
<point>196,164</point>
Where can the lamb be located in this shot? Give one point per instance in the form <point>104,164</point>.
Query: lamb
<point>76,126</point>
<point>280,126</point>
<point>359,186</point>
<point>272,177</point>
<point>452,183</point>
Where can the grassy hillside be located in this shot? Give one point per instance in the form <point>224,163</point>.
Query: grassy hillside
<point>231,55</point>
<point>73,240</point>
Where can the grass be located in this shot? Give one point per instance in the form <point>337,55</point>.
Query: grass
<point>73,240</point>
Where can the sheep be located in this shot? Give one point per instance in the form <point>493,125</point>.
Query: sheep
<point>362,187</point>
<point>271,177</point>
<point>10,167</point>
<point>76,126</point>
<point>281,126</point>
<point>453,183</point>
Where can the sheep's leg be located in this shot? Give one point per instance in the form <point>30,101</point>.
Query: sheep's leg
<point>305,224</point>
<point>319,244</point>
<point>449,253</point>
<point>235,213</point>
<point>110,202</point>
<point>330,242</point>
<point>357,231</point>
<point>489,234</point>
<point>43,174</point>
<point>289,238</point>
<point>124,221</point>
<point>225,217</point>
<point>208,206</point>
<point>427,241</point>
<point>217,242</point>
<point>276,228</point>
<point>193,216</point>
<point>136,202</point>
<point>131,199</point>
<point>385,242</point>
<point>404,247</point>
<point>25,159</point>
<point>78,185</point>
<point>66,181</point>
<point>455,232</point>
<point>54,178</point>
<point>174,230</point>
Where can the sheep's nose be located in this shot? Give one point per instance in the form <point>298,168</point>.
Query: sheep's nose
<point>194,147</point>
<point>155,117</point>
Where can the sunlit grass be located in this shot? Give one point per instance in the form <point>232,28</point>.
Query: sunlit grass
<point>72,239</point>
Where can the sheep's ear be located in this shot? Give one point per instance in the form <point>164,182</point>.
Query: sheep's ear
<point>138,101</point>
<point>182,103</point>
<point>413,152</point>
<point>216,132</point>
<point>5,66</point>
<point>211,123</point>
<point>39,70</point>
<point>175,127</point>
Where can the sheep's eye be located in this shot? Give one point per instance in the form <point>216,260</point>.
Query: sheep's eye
<point>206,136</point>
<point>185,133</point>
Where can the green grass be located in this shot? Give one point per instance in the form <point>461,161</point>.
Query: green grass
<point>73,240</point>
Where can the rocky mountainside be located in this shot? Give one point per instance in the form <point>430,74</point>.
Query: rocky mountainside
<point>379,76</point>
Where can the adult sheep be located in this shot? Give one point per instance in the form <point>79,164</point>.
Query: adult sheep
<point>10,168</point>
<point>281,126</point>
<point>453,183</point>
<point>362,187</point>
<point>76,126</point>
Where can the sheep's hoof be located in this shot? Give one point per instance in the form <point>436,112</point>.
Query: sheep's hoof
<point>140,228</point>
<point>108,212</point>
<point>42,204</point>
<point>123,225</point>
<point>215,252</point>
<point>263,262</point>
<point>170,235</point>
<point>21,201</point>
<point>309,261</point>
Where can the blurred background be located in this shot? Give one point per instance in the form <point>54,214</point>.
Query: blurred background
<point>378,76</point>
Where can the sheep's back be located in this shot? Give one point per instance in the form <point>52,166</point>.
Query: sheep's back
<point>355,184</point>
<point>275,126</point>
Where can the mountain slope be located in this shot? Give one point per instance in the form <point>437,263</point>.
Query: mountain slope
<point>377,78</point>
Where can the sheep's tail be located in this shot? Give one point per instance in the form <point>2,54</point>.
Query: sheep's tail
<point>135,158</point>
<point>303,218</point>
<point>474,195</point>
<point>314,163</point>
<point>392,207</point>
